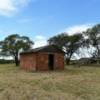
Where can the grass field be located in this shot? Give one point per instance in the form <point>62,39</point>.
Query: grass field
<point>71,84</point>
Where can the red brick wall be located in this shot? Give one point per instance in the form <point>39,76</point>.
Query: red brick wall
<point>59,61</point>
<point>42,61</point>
<point>28,62</point>
<point>39,61</point>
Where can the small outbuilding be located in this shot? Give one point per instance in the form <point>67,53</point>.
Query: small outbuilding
<point>42,59</point>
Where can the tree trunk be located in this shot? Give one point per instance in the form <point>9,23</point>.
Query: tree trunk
<point>16,60</point>
<point>68,61</point>
<point>98,50</point>
<point>69,58</point>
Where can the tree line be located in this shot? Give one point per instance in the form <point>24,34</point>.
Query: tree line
<point>72,44</point>
<point>13,44</point>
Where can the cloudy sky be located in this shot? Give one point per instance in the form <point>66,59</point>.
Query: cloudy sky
<point>41,19</point>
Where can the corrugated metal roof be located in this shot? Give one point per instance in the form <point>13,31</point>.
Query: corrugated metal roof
<point>47,49</point>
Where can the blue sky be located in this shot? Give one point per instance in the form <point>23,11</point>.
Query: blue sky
<point>41,19</point>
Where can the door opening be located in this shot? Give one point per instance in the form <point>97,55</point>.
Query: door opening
<point>51,61</point>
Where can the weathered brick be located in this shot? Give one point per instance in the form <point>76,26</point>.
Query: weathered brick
<point>39,61</point>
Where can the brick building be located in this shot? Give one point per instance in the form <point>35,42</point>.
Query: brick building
<point>43,58</point>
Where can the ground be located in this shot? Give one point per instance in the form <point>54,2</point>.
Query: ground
<point>73,83</point>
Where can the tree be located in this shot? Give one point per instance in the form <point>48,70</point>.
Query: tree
<point>70,44</point>
<point>13,44</point>
<point>93,39</point>
<point>59,40</point>
<point>74,43</point>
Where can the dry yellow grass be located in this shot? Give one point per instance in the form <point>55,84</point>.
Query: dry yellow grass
<point>71,84</point>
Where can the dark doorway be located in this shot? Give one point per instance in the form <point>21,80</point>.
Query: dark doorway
<point>51,61</point>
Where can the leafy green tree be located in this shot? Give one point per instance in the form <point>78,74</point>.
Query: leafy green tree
<point>13,44</point>
<point>74,43</point>
<point>70,44</point>
<point>93,39</point>
<point>59,40</point>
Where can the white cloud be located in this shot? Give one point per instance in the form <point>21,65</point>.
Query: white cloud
<point>9,7</point>
<point>40,37</point>
<point>77,28</point>
<point>40,41</point>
